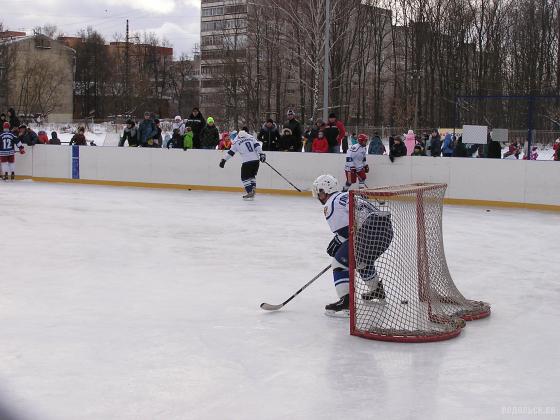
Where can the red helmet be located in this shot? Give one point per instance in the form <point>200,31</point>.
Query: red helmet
<point>6,125</point>
<point>362,139</point>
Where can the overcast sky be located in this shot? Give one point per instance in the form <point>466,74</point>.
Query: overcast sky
<point>176,20</point>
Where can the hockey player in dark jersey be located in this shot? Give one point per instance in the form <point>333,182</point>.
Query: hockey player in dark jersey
<point>372,239</point>
<point>251,152</point>
<point>8,143</point>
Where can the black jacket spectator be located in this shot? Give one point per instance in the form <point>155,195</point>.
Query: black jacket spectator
<point>3,119</point>
<point>297,132</point>
<point>54,139</point>
<point>196,122</point>
<point>396,148</point>
<point>27,136</point>
<point>460,149</point>
<point>435,145</point>
<point>494,148</point>
<point>130,134</point>
<point>269,136</point>
<point>13,119</point>
<point>209,137</point>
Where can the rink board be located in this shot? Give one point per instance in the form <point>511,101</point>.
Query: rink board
<point>489,182</point>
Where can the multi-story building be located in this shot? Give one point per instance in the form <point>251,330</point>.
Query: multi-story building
<point>36,75</point>
<point>223,43</point>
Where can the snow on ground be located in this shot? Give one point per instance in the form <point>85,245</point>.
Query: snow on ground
<point>120,303</point>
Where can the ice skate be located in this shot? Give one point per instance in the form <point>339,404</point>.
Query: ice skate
<point>377,294</point>
<point>250,195</point>
<point>339,309</point>
<point>13,176</point>
<point>5,177</point>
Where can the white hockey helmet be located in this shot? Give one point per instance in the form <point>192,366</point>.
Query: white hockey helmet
<point>326,183</point>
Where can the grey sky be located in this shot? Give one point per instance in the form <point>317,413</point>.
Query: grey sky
<point>176,20</point>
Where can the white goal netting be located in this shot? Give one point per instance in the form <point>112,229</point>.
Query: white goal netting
<point>397,251</point>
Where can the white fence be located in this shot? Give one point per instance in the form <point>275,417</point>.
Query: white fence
<point>525,183</point>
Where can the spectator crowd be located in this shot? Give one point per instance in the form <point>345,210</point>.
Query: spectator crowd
<point>331,136</point>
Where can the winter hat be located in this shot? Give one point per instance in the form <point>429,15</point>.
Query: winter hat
<point>156,121</point>
<point>210,120</point>
<point>54,135</point>
<point>147,114</point>
<point>6,125</point>
<point>178,118</point>
<point>332,115</point>
<point>291,112</point>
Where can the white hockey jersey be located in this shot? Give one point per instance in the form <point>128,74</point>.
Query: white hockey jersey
<point>356,157</point>
<point>247,146</point>
<point>336,213</point>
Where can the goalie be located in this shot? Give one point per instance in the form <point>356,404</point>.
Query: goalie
<point>372,239</point>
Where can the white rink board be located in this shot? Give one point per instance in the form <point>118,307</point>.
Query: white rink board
<point>140,304</point>
<point>474,179</point>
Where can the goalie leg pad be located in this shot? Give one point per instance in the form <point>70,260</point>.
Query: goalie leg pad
<point>340,270</point>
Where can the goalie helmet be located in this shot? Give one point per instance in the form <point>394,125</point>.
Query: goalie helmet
<point>362,139</point>
<point>326,183</point>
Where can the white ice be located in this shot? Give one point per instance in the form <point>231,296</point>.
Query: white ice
<point>120,303</point>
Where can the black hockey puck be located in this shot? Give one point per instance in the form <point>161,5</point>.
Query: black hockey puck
<point>487,211</point>
<point>404,302</point>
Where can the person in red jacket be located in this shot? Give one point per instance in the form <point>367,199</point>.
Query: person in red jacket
<point>320,143</point>
<point>334,132</point>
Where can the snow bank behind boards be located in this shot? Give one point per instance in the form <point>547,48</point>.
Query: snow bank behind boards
<point>506,181</point>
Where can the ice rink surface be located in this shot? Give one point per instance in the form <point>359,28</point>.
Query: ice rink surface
<point>120,303</point>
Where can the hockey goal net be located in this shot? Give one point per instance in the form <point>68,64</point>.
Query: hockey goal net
<point>396,248</point>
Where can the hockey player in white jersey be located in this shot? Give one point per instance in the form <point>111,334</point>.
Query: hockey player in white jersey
<point>8,143</point>
<point>373,239</point>
<point>356,167</point>
<point>251,153</point>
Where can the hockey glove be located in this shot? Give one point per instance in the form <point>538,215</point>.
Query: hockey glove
<point>366,168</point>
<point>262,157</point>
<point>222,163</point>
<point>333,246</point>
<point>22,151</point>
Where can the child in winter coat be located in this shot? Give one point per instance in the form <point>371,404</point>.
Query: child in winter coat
<point>43,138</point>
<point>225,142</point>
<point>188,139</point>
<point>320,143</point>
<point>556,149</point>
<point>54,139</point>
<point>418,151</point>
<point>288,142</point>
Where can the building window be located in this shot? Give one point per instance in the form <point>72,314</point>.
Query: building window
<point>235,9</point>
<point>215,25</point>
<point>212,11</point>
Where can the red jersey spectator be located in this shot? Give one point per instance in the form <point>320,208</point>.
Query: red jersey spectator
<point>320,144</point>
<point>334,132</point>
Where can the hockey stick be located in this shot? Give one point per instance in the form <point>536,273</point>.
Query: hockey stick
<point>282,176</point>
<point>269,307</point>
